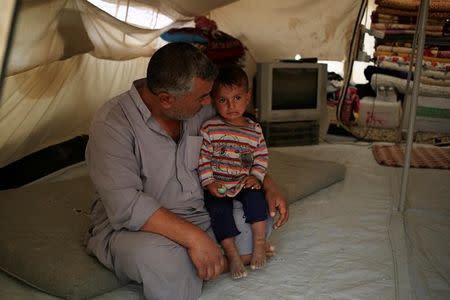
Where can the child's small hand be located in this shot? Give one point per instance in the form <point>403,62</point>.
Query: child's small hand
<point>213,189</point>
<point>251,182</point>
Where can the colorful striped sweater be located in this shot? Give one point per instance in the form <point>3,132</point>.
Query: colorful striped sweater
<point>230,153</point>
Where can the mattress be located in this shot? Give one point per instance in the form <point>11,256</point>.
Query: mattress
<point>343,242</point>
<point>348,241</point>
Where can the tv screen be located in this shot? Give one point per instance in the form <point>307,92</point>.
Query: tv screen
<point>290,92</point>
<point>294,88</point>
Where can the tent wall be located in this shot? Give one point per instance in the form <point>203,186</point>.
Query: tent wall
<point>281,29</point>
<point>6,24</point>
<point>69,57</point>
<point>55,102</point>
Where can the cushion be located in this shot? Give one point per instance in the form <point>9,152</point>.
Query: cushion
<point>41,239</point>
<point>298,177</point>
<point>12,288</point>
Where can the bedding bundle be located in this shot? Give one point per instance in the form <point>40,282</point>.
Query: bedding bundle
<point>393,26</point>
<point>222,48</point>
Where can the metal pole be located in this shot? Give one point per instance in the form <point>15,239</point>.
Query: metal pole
<point>420,30</point>
<point>8,17</point>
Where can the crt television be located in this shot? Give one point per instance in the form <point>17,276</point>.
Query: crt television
<point>290,91</point>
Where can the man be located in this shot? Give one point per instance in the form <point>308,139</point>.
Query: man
<point>149,221</point>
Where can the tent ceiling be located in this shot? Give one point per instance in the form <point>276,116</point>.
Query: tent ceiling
<point>190,8</point>
<point>270,29</point>
<point>69,28</point>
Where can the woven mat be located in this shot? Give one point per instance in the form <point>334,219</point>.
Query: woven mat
<point>421,157</point>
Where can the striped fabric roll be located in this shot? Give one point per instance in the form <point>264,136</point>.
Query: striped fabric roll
<point>230,153</point>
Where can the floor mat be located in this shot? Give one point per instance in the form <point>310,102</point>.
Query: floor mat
<point>421,157</point>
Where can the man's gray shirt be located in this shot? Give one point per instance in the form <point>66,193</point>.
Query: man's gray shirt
<point>137,168</point>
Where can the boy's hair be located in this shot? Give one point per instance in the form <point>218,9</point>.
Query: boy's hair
<point>173,67</point>
<point>229,76</point>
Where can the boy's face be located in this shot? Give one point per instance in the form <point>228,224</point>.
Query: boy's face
<point>231,102</point>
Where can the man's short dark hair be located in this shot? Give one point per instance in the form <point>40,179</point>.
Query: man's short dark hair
<point>229,76</point>
<point>173,67</point>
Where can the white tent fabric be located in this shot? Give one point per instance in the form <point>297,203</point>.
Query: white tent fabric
<point>68,28</point>
<point>57,77</point>
<point>47,99</point>
<point>6,15</point>
<point>55,102</point>
<point>281,29</point>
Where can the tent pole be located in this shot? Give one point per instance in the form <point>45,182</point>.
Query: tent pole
<point>8,17</point>
<point>420,31</point>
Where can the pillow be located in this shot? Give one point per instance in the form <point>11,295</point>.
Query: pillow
<point>299,177</point>
<point>224,48</point>
<point>185,34</point>
<point>41,239</point>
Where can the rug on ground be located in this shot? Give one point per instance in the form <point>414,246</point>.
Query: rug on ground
<point>432,157</point>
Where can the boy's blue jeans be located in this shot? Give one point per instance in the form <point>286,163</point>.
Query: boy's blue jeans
<point>221,211</point>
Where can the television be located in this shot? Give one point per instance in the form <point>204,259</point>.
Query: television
<point>290,91</point>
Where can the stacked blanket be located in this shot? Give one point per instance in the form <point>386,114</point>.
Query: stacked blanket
<point>394,26</point>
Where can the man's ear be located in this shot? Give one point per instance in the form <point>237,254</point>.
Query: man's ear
<point>248,96</point>
<point>166,99</point>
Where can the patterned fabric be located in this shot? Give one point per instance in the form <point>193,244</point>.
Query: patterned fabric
<point>380,56</point>
<point>384,26</point>
<point>387,18</point>
<point>433,81</point>
<point>408,44</point>
<point>400,85</point>
<point>434,5</point>
<point>382,33</point>
<point>400,12</point>
<point>370,70</point>
<point>421,156</point>
<point>230,153</point>
<point>399,4</point>
<point>430,52</point>
<point>426,72</point>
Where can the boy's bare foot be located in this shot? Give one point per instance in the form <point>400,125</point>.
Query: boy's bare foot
<point>270,250</point>
<point>237,268</point>
<point>259,254</point>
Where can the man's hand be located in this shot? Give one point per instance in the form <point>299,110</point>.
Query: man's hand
<point>207,258</point>
<point>213,189</point>
<point>276,202</point>
<point>251,182</point>
<point>203,251</point>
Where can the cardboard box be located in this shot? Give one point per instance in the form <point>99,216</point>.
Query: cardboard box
<point>382,114</point>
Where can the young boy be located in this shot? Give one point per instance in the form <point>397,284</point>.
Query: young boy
<point>233,163</point>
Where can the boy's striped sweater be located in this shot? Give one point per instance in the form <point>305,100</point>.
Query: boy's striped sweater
<point>230,153</point>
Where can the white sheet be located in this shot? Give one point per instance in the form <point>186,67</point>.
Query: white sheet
<point>344,243</point>
<point>347,241</point>
<point>335,245</point>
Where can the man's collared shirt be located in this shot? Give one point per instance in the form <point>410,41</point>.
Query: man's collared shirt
<point>137,167</point>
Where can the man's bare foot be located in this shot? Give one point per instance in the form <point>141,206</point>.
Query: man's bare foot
<point>237,268</point>
<point>259,254</point>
